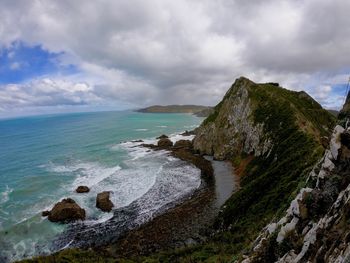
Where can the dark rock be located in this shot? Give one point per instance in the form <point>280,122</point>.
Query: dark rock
<point>103,202</point>
<point>183,144</point>
<point>163,136</point>
<point>147,145</point>
<point>188,133</point>
<point>165,143</point>
<point>65,211</point>
<point>199,161</point>
<point>345,139</point>
<point>325,141</point>
<point>82,189</point>
<point>45,213</point>
<point>273,84</point>
<point>137,141</point>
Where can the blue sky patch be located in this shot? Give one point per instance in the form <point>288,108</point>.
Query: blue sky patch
<point>21,62</point>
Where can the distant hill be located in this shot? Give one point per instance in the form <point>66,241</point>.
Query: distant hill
<point>334,112</point>
<point>202,111</point>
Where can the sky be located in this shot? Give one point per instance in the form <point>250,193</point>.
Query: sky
<point>68,56</point>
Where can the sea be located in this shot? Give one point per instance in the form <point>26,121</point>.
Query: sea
<point>44,158</point>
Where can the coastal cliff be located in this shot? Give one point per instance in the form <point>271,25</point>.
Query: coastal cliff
<point>315,226</point>
<point>251,116</point>
<point>274,137</point>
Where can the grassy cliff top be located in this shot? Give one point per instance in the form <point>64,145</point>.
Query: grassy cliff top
<point>272,103</point>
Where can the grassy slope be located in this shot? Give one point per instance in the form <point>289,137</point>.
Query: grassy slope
<point>295,122</point>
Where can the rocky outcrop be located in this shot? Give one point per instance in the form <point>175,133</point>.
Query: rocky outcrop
<point>65,211</point>
<point>183,149</point>
<point>315,227</point>
<point>247,118</point>
<point>273,136</point>
<point>45,213</point>
<point>231,128</point>
<point>197,160</point>
<point>164,143</point>
<point>82,189</point>
<point>103,201</point>
<point>188,133</point>
<point>163,136</point>
<point>187,144</point>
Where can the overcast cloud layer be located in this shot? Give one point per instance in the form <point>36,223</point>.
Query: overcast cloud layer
<point>135,53</point>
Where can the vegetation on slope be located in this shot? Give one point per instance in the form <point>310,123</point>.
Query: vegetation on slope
<point>295,122</point>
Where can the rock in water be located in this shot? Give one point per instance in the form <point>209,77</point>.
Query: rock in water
<point>65,211</point>
<point>165,143</point>
<point>45,213</point>
<point>187,144</point>
<point>188,133</point>
<point>163,136</point>
<point>103,202</point>
<point>82,189</point>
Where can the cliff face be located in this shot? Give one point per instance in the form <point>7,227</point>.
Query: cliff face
<point>345,111</point>
<point>230,128</point>
<point>315,227</point>
<point>246,120</point>
<point>273,136</point>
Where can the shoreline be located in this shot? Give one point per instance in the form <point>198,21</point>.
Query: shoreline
<point>186,224</point>
<point>182,223</point>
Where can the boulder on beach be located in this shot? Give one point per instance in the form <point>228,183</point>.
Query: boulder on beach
<point>103,202</point>
<point>183,144</point>
<point>165,143</point>
<point>65,211</point>
<point>82,189</point>
<point>163,136</point>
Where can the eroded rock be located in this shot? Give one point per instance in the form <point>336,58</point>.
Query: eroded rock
<point>163,136</point>
<point>103,201</point>
<point>164,143</point>
<point>45,213</point>
<point>183,144</point>
<point>82,189</point>
<point>65,211</point>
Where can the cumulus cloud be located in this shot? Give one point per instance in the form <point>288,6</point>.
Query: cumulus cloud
<point>181,51</point>
<point>46,92</point>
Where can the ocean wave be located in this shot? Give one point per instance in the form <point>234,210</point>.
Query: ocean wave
<point>141,129</point>
<point>162,126</point>
<point>88,173</point>
<point>5,195</point>
<point>176,137</point>
<point>191,126</point>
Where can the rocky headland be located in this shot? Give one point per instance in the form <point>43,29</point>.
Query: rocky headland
<point>292,201</point>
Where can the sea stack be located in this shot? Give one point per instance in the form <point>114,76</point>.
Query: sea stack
<point>103,202</point>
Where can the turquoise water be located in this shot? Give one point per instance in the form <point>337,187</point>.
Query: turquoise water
<point>44,158</point>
